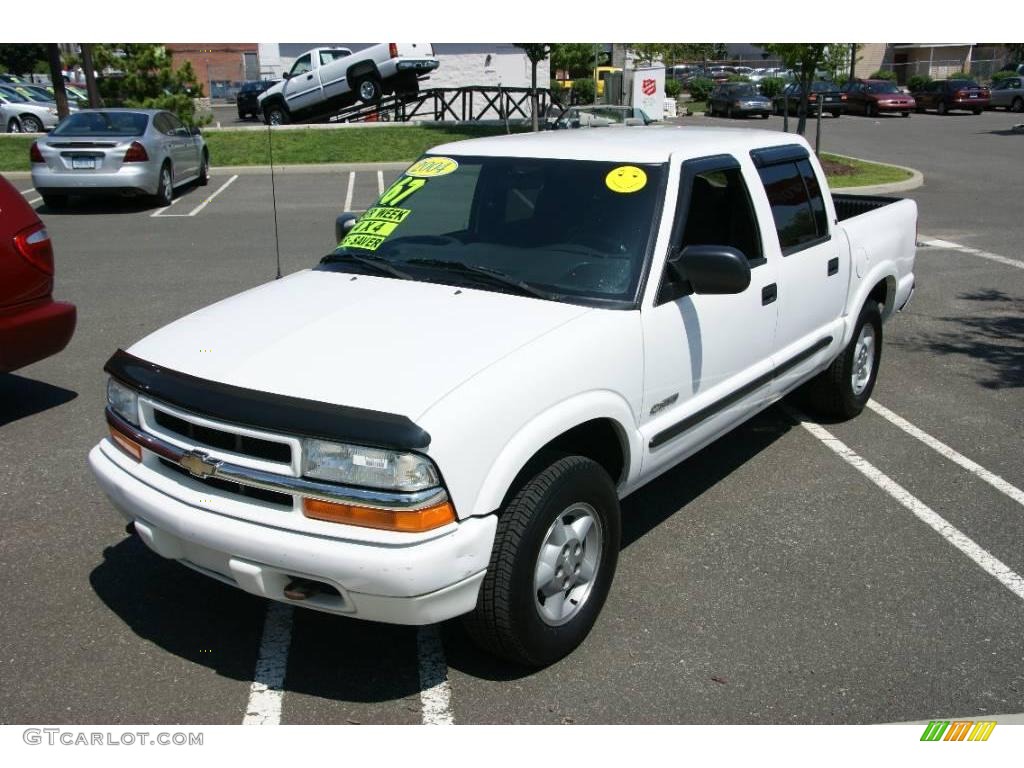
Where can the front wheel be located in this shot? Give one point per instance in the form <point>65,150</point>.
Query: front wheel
<point>1017,105</point>
<point>13,126</point>
<point>275,114</point>
<point>552,564</point>
<point>844,388</point>
<point>976,111</point>
<point>904,114</point>
<point>942,108</point>
<point>31,124</point>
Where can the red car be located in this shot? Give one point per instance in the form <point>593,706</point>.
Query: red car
<point>872,97</point>
<point>944,95</point>
<point>32,324</point>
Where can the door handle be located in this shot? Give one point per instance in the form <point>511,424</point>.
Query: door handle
<point>309,77</point>
<point>833,266</point>
<point>769,294</point>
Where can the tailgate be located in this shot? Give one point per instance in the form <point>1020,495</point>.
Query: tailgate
<point>415,50</point>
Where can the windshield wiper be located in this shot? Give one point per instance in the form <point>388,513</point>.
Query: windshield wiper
<point>493,275</point>
<point>378,263</point>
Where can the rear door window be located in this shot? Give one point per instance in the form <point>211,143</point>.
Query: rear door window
<point>797,204</point>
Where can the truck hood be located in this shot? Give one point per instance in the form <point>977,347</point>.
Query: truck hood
<point>370,342</point>
<point>273,90</point>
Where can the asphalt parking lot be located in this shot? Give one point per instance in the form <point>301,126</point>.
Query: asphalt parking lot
<point>770,579</point>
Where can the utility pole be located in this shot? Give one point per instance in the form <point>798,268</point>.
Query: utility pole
<point>60,94</point>
<point>90,76</point>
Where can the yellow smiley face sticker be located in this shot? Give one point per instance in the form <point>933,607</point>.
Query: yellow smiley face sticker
<point>626,179</point>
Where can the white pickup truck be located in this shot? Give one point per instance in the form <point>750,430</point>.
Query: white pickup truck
<point>325,80</point>
<point>442,416</point>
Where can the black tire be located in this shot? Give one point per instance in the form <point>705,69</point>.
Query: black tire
<point>941,108</point>
<point>976,111</point>
<point>870,110</point>
<point>165,189</point>
<point>836,114</point>
<point>31,124</point>
<point>764,116</point>
<point>55,202</point>
<point>831,393</point>
<point>368,89</point>
<point>13,126</point>
<point>204,169</point>
<point>904,114</point>
<point>728,112</point>
<point>507,620</point>
<point>919,110</point>
<point>275,113</point>
<point>1017,105</point>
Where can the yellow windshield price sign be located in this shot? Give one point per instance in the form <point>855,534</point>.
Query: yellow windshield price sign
<point>429,167</point>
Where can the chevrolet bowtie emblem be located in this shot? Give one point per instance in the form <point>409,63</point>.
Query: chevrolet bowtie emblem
<point>199,464</point>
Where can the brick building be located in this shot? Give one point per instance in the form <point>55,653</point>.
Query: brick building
<point>220,67</point>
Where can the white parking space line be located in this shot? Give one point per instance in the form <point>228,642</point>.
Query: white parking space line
<point>159,212</point>
<point>28,192</point>
<point>35,200</point>
<point>983,559</point>
<point>199,207</point>
<point>351,190</point>
<point>435,690</point>
<point>380,182</point>
<point>936,243</point>
<point>267,688</point>
<point>940,447</point>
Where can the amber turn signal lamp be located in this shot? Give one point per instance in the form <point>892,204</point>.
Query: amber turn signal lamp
<point>130,447</point>
<point>406,521</point>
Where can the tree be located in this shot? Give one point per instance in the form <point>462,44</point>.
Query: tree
<point>60,94</point>
<point>804,59</point>
<point>536,53</point>
<point>23,58</point>
<point>147,79</point>
<point>576,59</point>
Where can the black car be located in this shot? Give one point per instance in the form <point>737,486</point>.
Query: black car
<point>823,95</point>
<point>738,100</point>
<point>248,97</point>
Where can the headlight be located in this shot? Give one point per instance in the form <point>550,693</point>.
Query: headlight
<point>370,467</point>
<point>123,401</point>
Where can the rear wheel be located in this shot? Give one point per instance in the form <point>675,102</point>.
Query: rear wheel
<point>836,114</point>
<point>942,109</point>
<point>1017,105</point>
<point>870,110</point>
<point>844,388</point>
<point>904,114</point>
<point>369,89</point>
<point>552,564</point>
<point>976,111</point>
<point>13,126</point>
<point>204,170</point>
<point>728,112</point>
<point>31,124</point>
<point>165,188</point>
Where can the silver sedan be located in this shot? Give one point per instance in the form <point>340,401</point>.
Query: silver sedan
<point>23,115</point>
<point>118,151</point>
<point>1008,93</point>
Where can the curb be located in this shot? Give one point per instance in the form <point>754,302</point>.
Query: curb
<point>916,180</point>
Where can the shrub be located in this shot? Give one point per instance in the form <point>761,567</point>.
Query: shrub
<point>961,75</point>
<point>772,86</point>
<point>583,90</point>
<point>918,82</point>
<point>883,74</point>
<point>700,88</point>
<point>734,78</point>
<point>1003,74</point>
<point>672,87</point>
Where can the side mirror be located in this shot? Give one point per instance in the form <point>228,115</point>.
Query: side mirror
<point>286,75</point>
<point>343,225</point>
<point>712,269</point>
<point>196,131</point>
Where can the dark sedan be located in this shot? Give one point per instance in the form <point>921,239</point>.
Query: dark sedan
<point>824,95</point>
<point>248,97</point>
<point>945,95</point>
<point>738,100</point>
<point>873,97</point>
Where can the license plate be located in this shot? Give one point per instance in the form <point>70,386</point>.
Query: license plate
<point>83,162</point>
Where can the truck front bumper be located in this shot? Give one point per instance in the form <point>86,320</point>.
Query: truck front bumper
<point>428,579</point>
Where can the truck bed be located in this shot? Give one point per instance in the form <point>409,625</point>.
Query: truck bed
<point>848,206</point>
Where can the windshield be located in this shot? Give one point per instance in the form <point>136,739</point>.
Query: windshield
<point>883,88</point>
<point>571,230</point>
<point>98,123</point>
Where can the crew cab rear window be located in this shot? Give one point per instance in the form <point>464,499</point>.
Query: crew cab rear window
<point>798,206</point>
